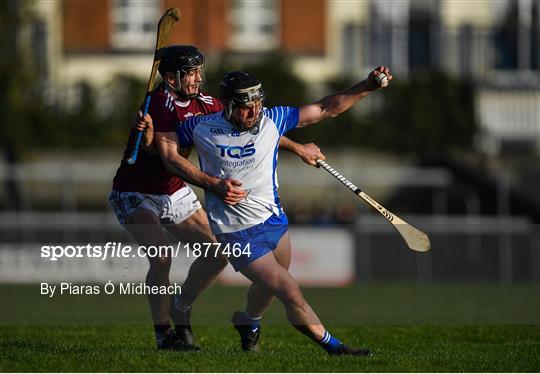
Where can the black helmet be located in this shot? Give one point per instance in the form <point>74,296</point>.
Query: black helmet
<point>179,59</point>
<point>239,89</point>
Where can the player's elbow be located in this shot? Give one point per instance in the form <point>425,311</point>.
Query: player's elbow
<point>328,114</point>
<point>328,108</point>
<point>333,106</point>
<point>177,165</point>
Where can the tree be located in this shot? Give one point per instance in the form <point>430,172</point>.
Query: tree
<point>274,70</point>
<point>425,116</point>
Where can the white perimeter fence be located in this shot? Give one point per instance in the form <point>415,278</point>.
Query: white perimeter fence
<point>464,248</point>
<point>470,247</point>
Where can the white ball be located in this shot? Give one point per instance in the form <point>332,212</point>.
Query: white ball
<point>382,80</point>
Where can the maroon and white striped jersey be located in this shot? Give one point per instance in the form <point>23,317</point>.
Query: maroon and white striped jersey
<point>148,174</point>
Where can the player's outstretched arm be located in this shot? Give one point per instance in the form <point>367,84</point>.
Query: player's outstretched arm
<point>227,189</point>
<point>335,104</point>
<point>309,153</point>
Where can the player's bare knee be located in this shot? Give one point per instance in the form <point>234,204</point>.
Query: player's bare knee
<point>217,263</point>
<point>221,262</point>
<point>160,264</point>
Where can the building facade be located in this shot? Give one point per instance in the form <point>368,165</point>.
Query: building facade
<point>494,43</point>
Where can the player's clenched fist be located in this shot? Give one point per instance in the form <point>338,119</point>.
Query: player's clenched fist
<point>141,123</point>
<point>228,190</point>
<point>380,77</point>
<point>144,123</point>
<point>310,153</point>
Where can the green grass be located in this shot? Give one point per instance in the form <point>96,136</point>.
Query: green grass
<point>433,328</point>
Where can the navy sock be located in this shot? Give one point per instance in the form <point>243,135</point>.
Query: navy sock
<point>181,303</point>
<point>160,331</point>
<point>181,307</point>
<point>254,322</point>
<point>329,343</point>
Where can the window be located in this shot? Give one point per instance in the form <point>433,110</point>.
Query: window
<point>420,40</point>
<point>255,25</point>
<point>134,24</point>
<point>535,37</point>
<point>506,35</point>
<point>516,35</point>
<point>388,35</point>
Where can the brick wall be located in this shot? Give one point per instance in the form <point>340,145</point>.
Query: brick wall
<point>203,23</point>
<point>86,25</point>
<point>303,26</point>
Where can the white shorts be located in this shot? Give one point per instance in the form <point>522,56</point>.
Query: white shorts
<point>171,209</point>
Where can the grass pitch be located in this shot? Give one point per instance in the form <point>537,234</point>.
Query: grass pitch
<point>433,328</point>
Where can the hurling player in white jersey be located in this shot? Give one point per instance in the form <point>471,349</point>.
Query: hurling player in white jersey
<point>241,143</point>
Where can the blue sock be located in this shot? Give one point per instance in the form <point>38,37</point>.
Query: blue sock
<point>253,322</point>
<point>329,343</point>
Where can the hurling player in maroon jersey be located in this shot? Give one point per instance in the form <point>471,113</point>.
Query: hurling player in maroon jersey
<point>147,196</point>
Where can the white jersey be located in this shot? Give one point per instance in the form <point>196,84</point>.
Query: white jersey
<point>249,157</point>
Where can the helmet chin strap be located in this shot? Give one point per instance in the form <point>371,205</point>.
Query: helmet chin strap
<point>255,128</point>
